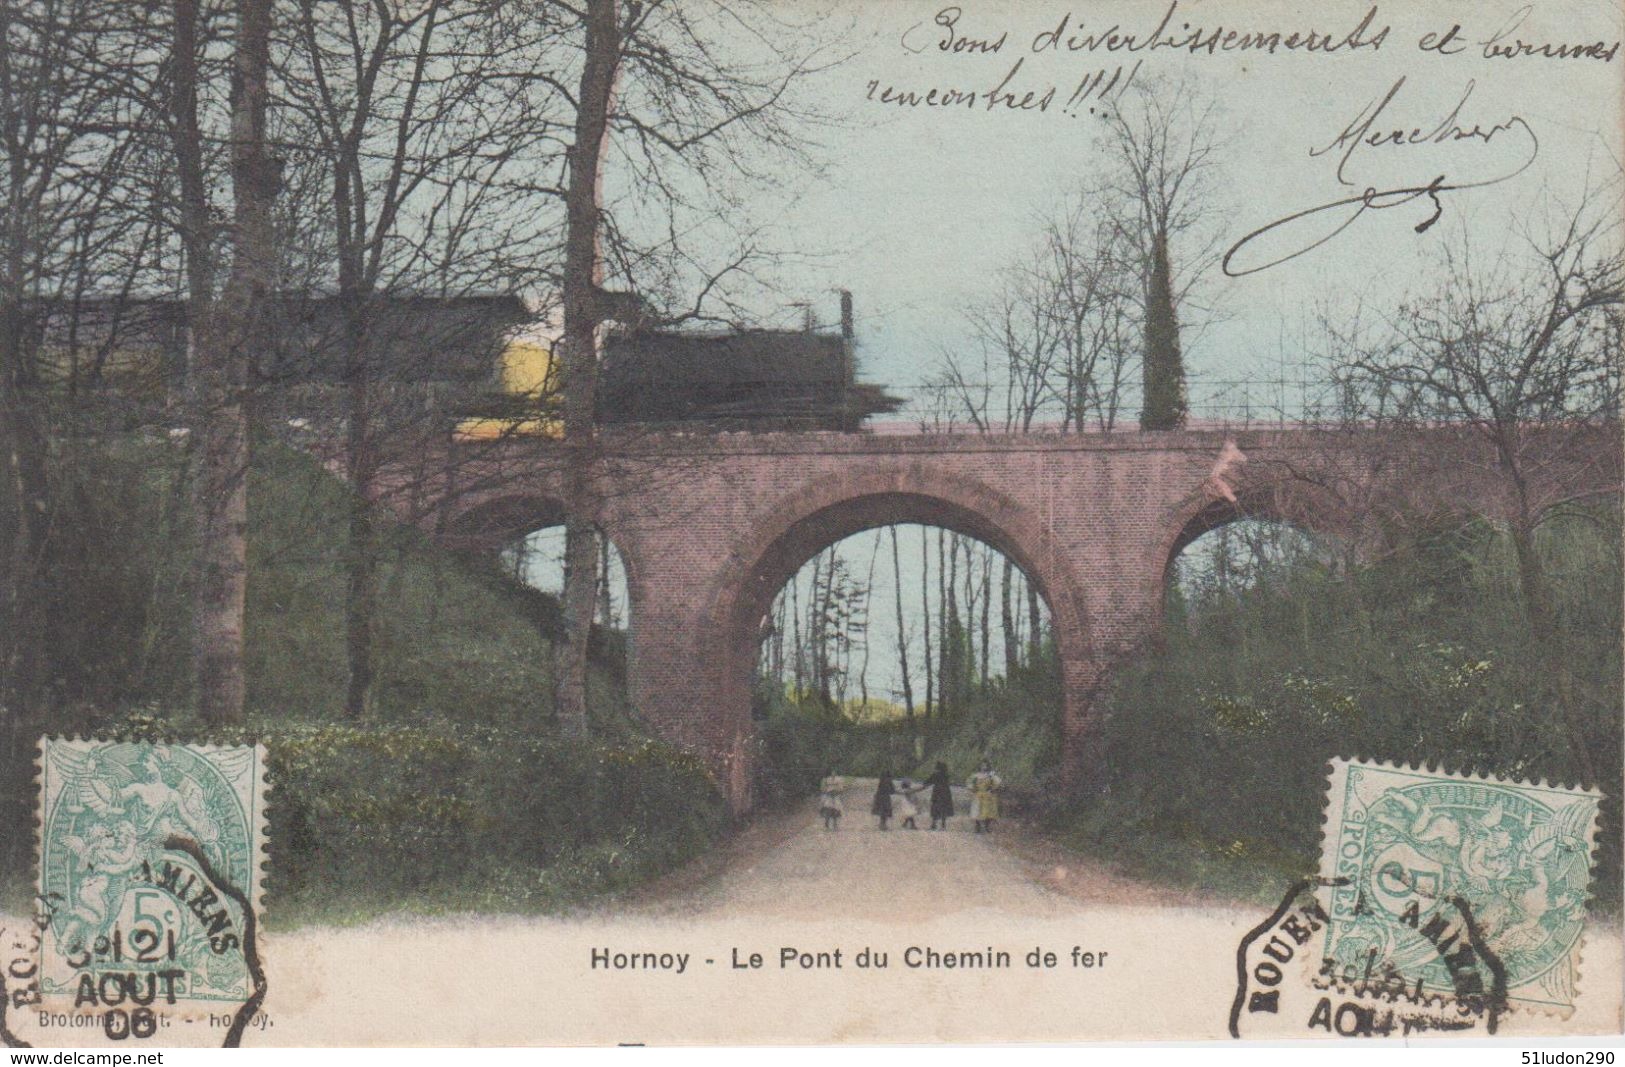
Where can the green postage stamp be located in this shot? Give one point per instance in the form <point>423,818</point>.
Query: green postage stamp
<point>150,863</point>
<point>1448,886</point>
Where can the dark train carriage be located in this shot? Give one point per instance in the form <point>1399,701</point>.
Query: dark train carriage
<point>753,379</point>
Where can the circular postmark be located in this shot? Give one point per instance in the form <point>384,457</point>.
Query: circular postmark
<point>1285,988</point>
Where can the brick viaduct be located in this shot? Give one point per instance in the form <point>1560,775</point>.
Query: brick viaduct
<point>712,525</point>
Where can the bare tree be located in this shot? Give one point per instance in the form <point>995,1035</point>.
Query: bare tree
<point>1018,349</point>
<point>1089,293</point>
<point>959,393</point>
<point>1104,286</point>
<point>1017,337</point>
<point>1518,345</point>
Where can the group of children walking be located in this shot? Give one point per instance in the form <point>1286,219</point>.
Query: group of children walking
<point>894,799</point>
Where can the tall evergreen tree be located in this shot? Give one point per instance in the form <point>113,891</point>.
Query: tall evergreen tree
<point>1163,366</point>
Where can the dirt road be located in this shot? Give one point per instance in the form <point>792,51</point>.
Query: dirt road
<point>789,866</point>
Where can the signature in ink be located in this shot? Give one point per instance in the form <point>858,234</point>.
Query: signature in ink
<point>1360,132</point>
<point>1301,232</point>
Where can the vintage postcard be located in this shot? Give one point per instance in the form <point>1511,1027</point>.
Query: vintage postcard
<point>810,521</point>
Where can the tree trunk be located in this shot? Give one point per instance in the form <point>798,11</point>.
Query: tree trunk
<point>222,569</point>
<point>797,647</point>
<point>902,634</point>
<point>952,631</point>
<point>1544,629</point>
<point>925,618</point>
<point>860,627</point>
<point>823,602</point>
<point>361,548</point>
<point>26,522</point>
<point>28,465</point>
<point>1007,620</point>
<point>361,555</point>
<point>222,347</point>
<point>606,602</point>
<point>776,648</point>
<point>583,315</point>
<point>29,523</point>
<point>944,680</point>
<point>580,588</point>
<point>1035,625</point>
<point>987,601</point>
<point>965,613</point>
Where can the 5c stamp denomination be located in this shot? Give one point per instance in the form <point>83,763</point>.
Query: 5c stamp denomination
<point>150,860</point>
<point>1463,888</point>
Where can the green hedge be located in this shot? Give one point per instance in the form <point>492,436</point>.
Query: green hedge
<point>436,817</point>
<point>513,819</point>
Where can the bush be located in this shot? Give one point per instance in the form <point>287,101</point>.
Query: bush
<point>802,741</point>
<point>1219,741</point>
<point>797,752</point>
<point>454,636</point>
<point>388,811</point>
<point>1015,724</point>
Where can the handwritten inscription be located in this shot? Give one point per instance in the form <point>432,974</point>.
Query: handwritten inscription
<point>1171,33</point>
<point>1097,85</point>
<point>961,35</point>
<point>1438,143</point>
<point>1006,94</point>
<point>1507,43</point>
<point>1174,33</point>
<point>956,35</point>
<point>950,40</point>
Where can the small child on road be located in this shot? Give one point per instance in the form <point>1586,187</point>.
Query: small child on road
<point>903,806</point>
<point>829,800</point>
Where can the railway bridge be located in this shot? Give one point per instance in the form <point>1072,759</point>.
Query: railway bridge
<point>711,526</point>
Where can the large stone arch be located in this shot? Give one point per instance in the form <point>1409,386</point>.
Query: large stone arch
<point>819,513</point>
